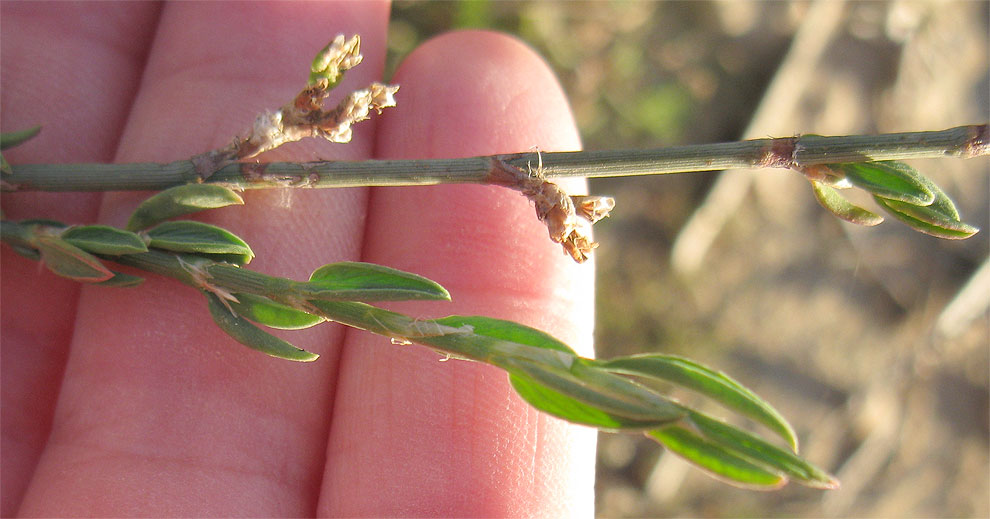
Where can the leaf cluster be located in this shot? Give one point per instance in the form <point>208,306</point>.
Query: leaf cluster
<point>620,394</point>
<point>898,189</point>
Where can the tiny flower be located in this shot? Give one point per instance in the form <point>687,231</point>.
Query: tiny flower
<point>338,56</point>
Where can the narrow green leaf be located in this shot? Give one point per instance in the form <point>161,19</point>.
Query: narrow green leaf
<point>889,179</point>
<point>27,252</point>
<point>121,280</point>
<point>274,315</point>
<point>103,239</point>
<point>44,222</point>
<point>375,320</point>
<point>235,259</point>
<point>355,281</point>
<point>11,139</point>
<point>5,167</point>
<point>507,331</point>
<point>713,384</point>
<point>557,404</point>
<point>572,398</point>
<point>914,217</point>
<point>535,357</point>
<point>532,356</point>
<point>942,205</point>
<point>940,219</point>
<point>253,337</point>
<point>67,260</point>
<point>830,199</point>
<point>181,200</point>
<point>715,459</point>
<point>761,452</point>
<point>192,236</point>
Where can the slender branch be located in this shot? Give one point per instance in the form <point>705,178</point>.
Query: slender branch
<point>788,152</point>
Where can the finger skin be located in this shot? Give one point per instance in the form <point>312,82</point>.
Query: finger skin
<point>160,413</point>
<point>413,436</point>
<point>74,69</point>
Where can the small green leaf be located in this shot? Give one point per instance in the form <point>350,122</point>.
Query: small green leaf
<point>181,200</point>
<point>939,219</point>
<point>495,340</point>
<point>507,331</point>
<point>44,222</point>
<point>191,236</point>
<point>27,252</point>
<point>253,337</point>
<point>830,199</point>
<point>557,404</point>
<point>103,239</point>
<point>713,384</point>
<point>67,260</point>
<point>11,139</point>
<point>121,280</point>
<point>355,281</point>
<point>274,315</point>
<point>889,179</point>
<point>535,357</point>
<point>235,259</point>
<point>572,398</point>
<point>761,452</point>
<point>720,462</point>
<point>395,325</point>
<point>927,220</point>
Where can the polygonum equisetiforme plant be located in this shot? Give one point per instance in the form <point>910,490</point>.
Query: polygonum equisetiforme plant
<point>620,394</point>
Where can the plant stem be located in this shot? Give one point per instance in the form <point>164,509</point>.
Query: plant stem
<point>788,152</point>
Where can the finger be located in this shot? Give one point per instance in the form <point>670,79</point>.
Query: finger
<point>414,436</point>
<point>74,69</point>
<point>160,412</point>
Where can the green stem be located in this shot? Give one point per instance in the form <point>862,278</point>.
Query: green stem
<point>788,152</point>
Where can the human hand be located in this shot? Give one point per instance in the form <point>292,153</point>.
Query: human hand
<point>131,402</point>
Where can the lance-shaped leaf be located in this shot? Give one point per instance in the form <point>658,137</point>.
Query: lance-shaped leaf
<point>103,239</point>
<point>253,337</point>
<point>889,179</point>
<point>940,218</point>
<point>558,404</point>
<point>716,459</point>
<point>713,384</point>
<point>761,452</point>
<point>564,395</point>
<point>928,222</point>
<point>198,237</point>
<point>67,260</point>
<point>181,200</point>
<point>551,377</point>
<point>274,315</point>
<point>44,222</point>
<point>121,280</point>
<point>494,340</point>
<point>380,321</point>
<point>11,139</point>
<point>355,281</point>
<point>507,331</point>
<point>837,204</point>
<point>27,252</point>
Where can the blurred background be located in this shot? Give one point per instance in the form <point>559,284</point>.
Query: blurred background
<point>874,342</point>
